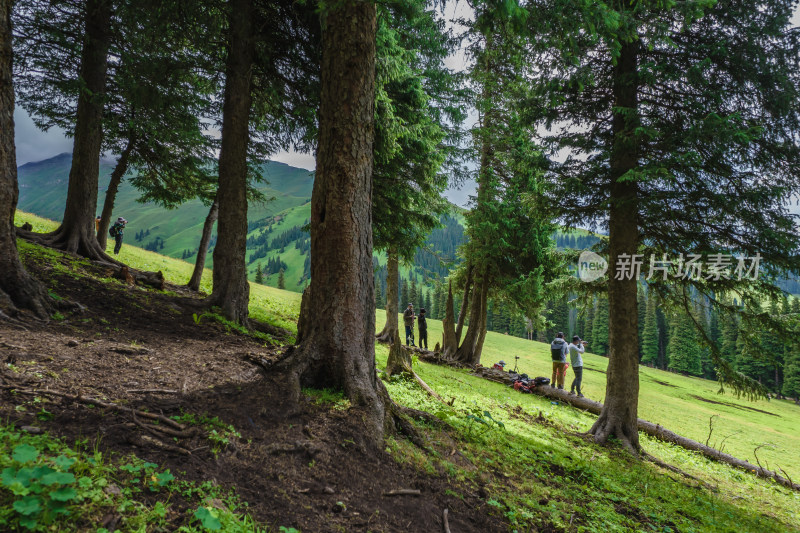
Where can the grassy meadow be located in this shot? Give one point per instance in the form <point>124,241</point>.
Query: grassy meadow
<point>589,488</point>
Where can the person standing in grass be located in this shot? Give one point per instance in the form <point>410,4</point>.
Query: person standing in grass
<point>422,324</point>
<point>408,320</point>
<point>558,352</point>
<point>576,349</point>
<point>117,231</point>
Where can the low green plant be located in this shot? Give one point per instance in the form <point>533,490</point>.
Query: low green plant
<point>233,326</point>
<point>45,485</point>
<point>330,397</point>
<point>218,432</point>
<point>480,421</point>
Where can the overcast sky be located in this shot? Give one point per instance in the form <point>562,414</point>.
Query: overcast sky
<point>35,145</point>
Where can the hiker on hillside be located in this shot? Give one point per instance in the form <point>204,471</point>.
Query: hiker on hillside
<point>408,320</point>
<point>116,231</point>
<point>558,352</point>
<point>422,324</point>
<point>576,349</point>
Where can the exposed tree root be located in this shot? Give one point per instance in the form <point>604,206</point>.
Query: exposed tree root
<point>403,492</point>
<point>606,426</point>
<point>677,470</point>
<point>99,403</point>
<point>98,257</point>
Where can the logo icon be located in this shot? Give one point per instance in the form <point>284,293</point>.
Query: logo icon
<point>591,266</point>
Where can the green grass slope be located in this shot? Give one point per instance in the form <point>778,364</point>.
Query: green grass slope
<point>680,403</point>
<point>538,467</point>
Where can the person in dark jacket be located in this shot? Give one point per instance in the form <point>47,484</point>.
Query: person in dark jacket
<point>116,231</point>
<point>408,320</point>
<point>558,351</point>
<point>422,324</point>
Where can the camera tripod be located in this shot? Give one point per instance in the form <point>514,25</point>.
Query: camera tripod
<point>516,360</point>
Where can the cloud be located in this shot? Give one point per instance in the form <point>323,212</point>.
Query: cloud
<point>34,144</point>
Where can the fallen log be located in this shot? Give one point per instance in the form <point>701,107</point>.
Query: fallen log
<point>134,277</point>
<point>654,430</point>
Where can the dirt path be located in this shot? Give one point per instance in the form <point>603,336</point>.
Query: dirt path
<point>302,466</point>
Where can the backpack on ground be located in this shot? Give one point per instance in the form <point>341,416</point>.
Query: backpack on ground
<point>538,381</point>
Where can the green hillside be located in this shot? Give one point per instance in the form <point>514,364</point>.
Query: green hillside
<point>43,191</point>
<point>538,467</point>
<point>176,233</point>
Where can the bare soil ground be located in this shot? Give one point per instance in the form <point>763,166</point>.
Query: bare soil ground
<point>292,464</point>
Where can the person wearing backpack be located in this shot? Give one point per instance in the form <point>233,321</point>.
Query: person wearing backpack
<point>117,231</point>
<point>576,349</point>
<point>408,320</point>
<point>422,324</point>
<point>558,352</point>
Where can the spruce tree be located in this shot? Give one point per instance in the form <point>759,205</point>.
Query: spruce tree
<point>259,274</point>
<point>791,373</point>
<point>417,107</point>
<point>600,327</point>
<point>341,295</point>
<point>404,294</point>
<point>684,350</point>
<point>650,333</point>
<point>682,125</point>
<point>281,279</point>
<point>413,297</point>
<point>509,251</point>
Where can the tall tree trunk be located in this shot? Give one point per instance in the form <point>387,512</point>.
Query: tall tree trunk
<point>477,319</point>
<point>619,415</point>
<point>476,355</point>
<point>111,193</point>
<point>338,341</point>
<point>462,313</point>
<point>449,341</point>
<point>392,280</point>
<point>202,251</point>
<point>231,291</point>
<point>18,290</point>
<point>77,231</point>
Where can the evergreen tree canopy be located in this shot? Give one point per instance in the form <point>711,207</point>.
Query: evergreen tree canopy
<point>684,118</point>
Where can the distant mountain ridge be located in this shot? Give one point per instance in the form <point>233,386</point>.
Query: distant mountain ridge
<point>277,230</point>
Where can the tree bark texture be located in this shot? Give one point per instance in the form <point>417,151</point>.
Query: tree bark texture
<point>467,353</point>
<point>392,281</point>
<point>338,344</point>
<point>18,290</point>
<point>449,340</point>
<point>654,430</point>
<point>619,416</point>
<point>231,291</point>
<point>111,193</point>
<point>77,231</point>
<point>476,357</point>
<point>399,360</point>
<point>202,251</point>
<point>462,313</point>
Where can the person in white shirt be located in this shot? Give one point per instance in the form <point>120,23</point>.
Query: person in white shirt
<point>576,348</point>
